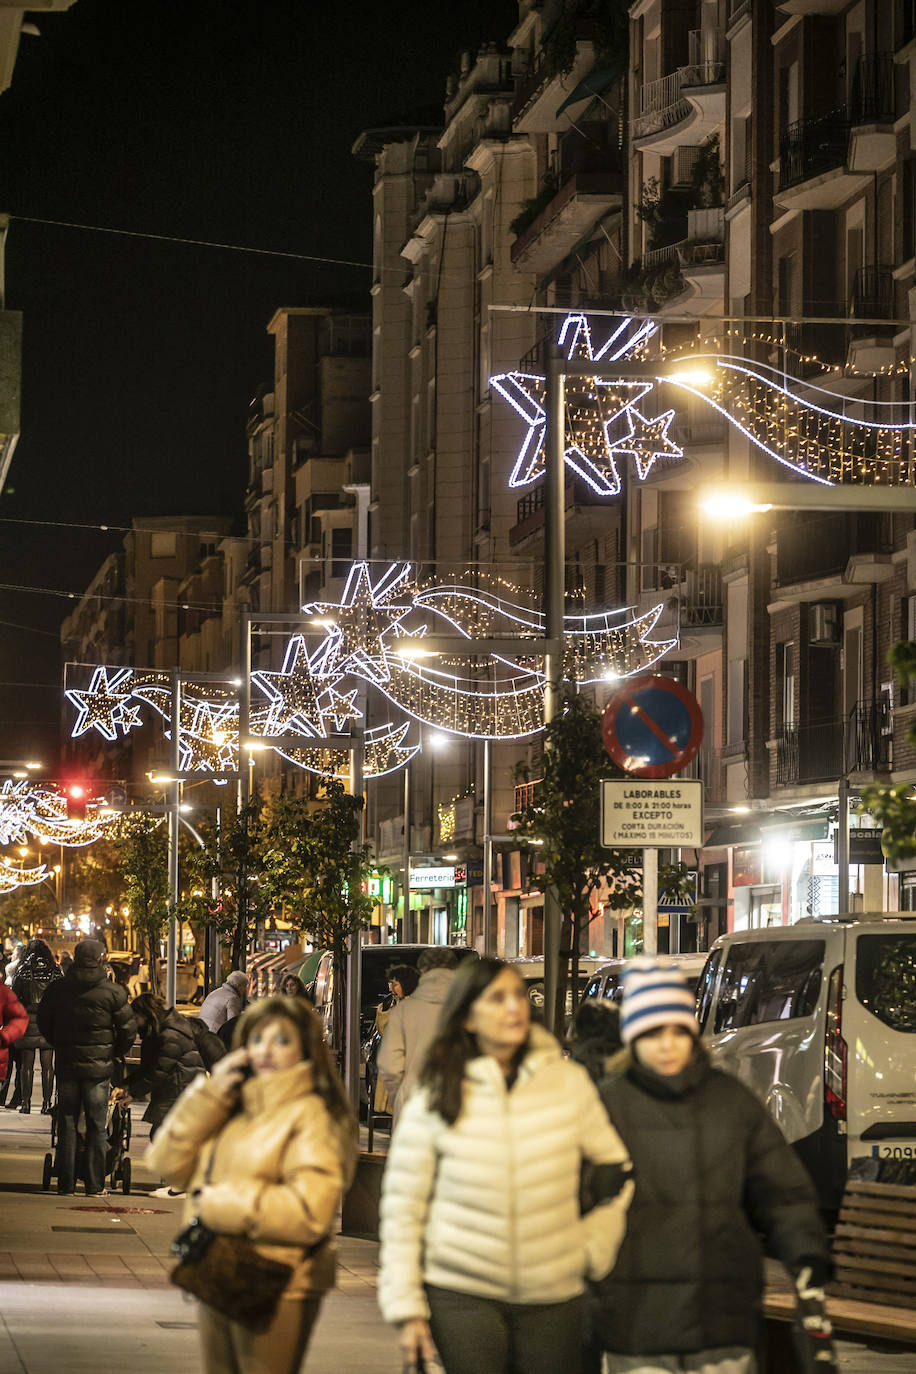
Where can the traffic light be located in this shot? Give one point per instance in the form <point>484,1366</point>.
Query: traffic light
<point>77,797</point>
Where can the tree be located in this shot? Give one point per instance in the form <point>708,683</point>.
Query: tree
<point>315,864</point>
<point>564,817</point>
<point>233,854</point>
<point>26,907</point>
<point>143,854</point>
<point>893,805</point>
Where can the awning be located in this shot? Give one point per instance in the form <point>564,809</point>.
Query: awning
<point>775,823</point>
<point>596,83</point>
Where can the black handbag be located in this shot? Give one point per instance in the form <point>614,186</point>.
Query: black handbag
<point>228,1273</point>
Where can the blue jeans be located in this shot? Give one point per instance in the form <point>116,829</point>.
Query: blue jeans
<point>73,1094</point>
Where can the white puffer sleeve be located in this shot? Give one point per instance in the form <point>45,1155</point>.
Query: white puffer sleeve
<point>605,1225</point>
<point>407,1190</point>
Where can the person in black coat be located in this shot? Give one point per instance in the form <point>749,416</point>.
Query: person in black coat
<point>174,1049</point>
<point>87,1020</point>
<point>35,975</point>
<point>713,1174</point>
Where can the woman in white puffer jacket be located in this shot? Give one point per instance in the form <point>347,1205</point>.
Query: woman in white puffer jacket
<point>485,1255</point>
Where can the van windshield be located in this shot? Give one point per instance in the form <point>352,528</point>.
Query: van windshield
<point>766,980</point>
<point>886,979</point>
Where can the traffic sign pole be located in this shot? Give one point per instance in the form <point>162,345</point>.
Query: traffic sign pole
<point>650,901</point>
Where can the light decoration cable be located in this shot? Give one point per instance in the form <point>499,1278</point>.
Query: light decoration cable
<point>794,422</point>
<point>370,646</point>
<point>37,813</point>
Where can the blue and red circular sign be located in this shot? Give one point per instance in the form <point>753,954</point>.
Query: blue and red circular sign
<point>652,727</point>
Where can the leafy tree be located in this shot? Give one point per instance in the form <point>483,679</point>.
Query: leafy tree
<point>893,805</point>
<point>27,906</point>
<point>143,854</point>
<point>316,866</point>
<point>233,854</point>
<point>565,816</point>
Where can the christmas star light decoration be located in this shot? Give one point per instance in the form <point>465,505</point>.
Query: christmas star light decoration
<point>303,694</point>
<point>815,432</point>
<point>34,812</point>
<point>102,707</point>
<point>362,625</point>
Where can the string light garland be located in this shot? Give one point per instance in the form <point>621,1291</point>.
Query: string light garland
<point>37,813</point>
<point>797,424</point>
<point>370,644</point>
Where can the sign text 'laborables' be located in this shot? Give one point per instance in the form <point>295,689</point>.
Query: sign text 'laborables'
<point>651,815</point>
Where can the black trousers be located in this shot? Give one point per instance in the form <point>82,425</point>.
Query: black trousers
<point>27,1074</point>
<point>482,1336</point>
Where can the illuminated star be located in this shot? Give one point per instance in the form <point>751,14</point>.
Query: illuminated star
<point>208,737</point>
<point>101,707</point>
<point>647,440</point>
<point>303,691</point>
<point>359,626</point>
<point>593,403</point>
<point>342,707</point>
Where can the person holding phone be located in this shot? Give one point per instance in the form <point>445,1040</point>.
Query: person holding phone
<point>485,1253</point>
<point>263,1148</point>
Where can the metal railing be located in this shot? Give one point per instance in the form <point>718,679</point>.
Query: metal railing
<point>814,145</point>
<point>872,96</point>
<point>873,294</point>
<point>835,748</point>
<point>702,602</point>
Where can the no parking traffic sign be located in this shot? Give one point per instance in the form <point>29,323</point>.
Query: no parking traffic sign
<point>652,727</point>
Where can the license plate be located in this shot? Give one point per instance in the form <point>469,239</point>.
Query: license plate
<point>894,1149</point>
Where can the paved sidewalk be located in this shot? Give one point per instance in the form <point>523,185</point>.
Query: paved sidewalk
<point>84,1281</point>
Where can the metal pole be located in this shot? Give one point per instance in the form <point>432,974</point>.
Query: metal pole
<point>555,606</point>
<point>406,919</point>
<point>245,711</point>
<point>212,960</point>
<point>487,851</point>
<point>351,1067</point>
<point>650,901</point>
<point>171,975</point>
<point>842,847</point>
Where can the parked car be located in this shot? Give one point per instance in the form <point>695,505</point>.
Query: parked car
<point>532,974</point>
<point>819,1020</point>
<point>606,982</point>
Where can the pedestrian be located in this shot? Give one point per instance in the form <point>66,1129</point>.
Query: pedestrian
<point>36,973</point>
<point>264,1148</point>
<point>66,961</point>
<point>174,1049</point>
<point>713,1174</point>
<point>411,1026</point>
<point>12,966</point>
<point>87,1020</point>
<point>291,986</point>
<point>595,1042</point>
<point>143,975</point>
<point>484,1254</point>
<point>12,1063</point>
<point>403,980</point>
<point>13,1022</point>
<point>225,1002</point>
<point>200,979</point>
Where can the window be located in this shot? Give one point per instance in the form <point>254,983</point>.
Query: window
<point>707,987</point>
<point>737,701</point>
<point>785,678</point>
<point>341,551</point>
<point>768,981</point>
<point>886,979</point>
<point>162,544</point>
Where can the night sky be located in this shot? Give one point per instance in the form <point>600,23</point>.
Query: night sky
<point>212,119</point>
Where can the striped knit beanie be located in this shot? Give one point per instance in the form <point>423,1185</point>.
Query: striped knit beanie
<point>655,993</point>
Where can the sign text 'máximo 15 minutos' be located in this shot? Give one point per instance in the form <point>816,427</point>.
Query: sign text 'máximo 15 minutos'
<point>637,812</point>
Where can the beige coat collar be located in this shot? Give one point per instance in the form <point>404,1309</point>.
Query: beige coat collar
<point>267,1091</point>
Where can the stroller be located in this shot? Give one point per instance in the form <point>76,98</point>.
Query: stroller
<point>117,1160</point>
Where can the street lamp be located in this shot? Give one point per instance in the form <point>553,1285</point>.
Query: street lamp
<point>727,501</point>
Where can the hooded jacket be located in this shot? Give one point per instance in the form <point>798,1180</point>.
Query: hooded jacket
<point>171,1059</point>
<point>713,1172</point>
<point>87,1020</point>
<point>34,976</point>
<point>223,1004</point>
<point>408,1031</point>
<point>271,1163</point>
<point>490,1205</point>
<point>13,1020</point>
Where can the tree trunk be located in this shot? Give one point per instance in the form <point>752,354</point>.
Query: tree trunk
<point>566,936</point>
<point>152,958</point>
<point>339,956</point>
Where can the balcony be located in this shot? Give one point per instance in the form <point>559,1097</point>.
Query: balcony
<point>872,141</point>
<point>702,603</point>
<point>871,345</point>
<point>582,199</point>
<point>813,171</point>
<point>449,192</point>
<point>812,6</point>
<point>543,88</point>
<point>586,513</point>
<point>835,748</point>
<point>815,551</point>
<point>686,106</point>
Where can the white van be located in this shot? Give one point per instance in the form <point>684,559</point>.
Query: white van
<point>819,1020</point>
<point>606,981</point>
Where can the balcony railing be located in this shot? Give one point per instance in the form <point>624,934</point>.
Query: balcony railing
<point>835,748</point>
<point>525,795</point>
<point>663,103</point>
<point>702,603</point>
<point>873,294</point>
<point>822,546</point>
<point>812,146</point>
<point>872,97</point>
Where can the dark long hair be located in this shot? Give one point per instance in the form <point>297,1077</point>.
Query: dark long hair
<point>150,1012</point>
<point>37,947</point>
<point>453,1046</point>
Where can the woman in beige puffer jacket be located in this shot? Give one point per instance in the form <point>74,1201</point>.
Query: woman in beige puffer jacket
<point>264,1148</point>
<point>485,1255</point>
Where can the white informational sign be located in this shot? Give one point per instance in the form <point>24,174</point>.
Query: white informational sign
<point>637,813</point>
<point>423,879</point>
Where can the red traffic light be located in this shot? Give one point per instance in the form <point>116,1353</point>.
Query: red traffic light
<point>77,796</point>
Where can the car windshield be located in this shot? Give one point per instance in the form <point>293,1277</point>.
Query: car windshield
<point>886,979</point>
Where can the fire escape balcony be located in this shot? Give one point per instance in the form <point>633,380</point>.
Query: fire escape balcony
<point>580,201</point>
<point>813,168</point>
<point>686,106</point>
